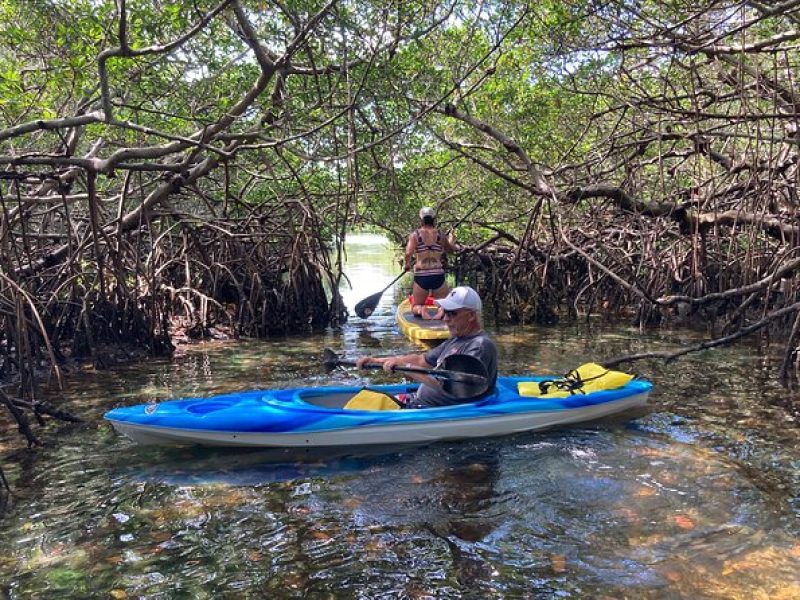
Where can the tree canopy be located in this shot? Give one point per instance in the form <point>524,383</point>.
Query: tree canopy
<point>208,157</point>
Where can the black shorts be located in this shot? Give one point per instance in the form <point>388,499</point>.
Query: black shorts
<point>429,282</point>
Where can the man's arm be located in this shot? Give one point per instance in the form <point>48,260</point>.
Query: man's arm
<point>416,359</point>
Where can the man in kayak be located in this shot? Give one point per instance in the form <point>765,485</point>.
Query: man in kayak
<point>462,308</point>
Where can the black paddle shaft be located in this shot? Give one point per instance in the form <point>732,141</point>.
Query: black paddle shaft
<point>367,306</point>
<point>439,373</point>
<point>463,376</point>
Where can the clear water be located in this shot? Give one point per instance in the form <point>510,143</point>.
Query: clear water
<point>697,498</point>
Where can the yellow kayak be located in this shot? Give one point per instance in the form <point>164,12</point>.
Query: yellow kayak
<point>418,329</point>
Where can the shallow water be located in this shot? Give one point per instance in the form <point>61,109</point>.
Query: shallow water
<point>697,498</point>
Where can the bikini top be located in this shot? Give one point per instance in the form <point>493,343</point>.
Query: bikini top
<point>429,256</point>
<point>436,246</point>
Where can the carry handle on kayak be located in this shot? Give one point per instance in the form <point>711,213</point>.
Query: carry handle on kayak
<point>463,376</point>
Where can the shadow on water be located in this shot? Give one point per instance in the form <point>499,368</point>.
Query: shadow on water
<point>250,466</point>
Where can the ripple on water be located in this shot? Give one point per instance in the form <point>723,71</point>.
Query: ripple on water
<point>697,499</point>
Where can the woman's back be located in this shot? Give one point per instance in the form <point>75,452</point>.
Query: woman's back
<point>428,251</point>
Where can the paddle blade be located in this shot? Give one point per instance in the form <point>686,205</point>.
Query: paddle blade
<point>367,306</point>
<point>467,387</point>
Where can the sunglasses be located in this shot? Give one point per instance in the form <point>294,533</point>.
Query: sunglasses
<point>451,313</point>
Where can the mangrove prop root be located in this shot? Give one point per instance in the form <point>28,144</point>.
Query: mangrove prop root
<point>257,270</point>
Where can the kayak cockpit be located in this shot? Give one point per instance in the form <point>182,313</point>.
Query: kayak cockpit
<point>337,398</point>
<point>325,400</point>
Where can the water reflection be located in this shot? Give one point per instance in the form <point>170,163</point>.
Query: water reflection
<point>371,266</point>
<point>197,466</point>
<point>697,499</point>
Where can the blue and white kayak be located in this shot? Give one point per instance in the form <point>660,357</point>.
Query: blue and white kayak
<point>316,417</point>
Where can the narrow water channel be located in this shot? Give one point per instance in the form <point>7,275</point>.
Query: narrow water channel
<point>699,497</point>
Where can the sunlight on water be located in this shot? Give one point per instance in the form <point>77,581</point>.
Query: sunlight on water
<point>372,263</point>
<point>697,498</point>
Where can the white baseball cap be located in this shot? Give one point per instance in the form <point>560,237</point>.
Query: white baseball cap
<point>461,297</point>
<point>426,211</point>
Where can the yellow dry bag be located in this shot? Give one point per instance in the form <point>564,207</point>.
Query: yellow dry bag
<point>587,378</point>
<point>368,399</point>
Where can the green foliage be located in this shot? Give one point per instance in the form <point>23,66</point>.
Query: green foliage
<point>549,76</point>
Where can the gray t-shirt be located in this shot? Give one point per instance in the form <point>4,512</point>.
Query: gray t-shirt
<point>479,345</point>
